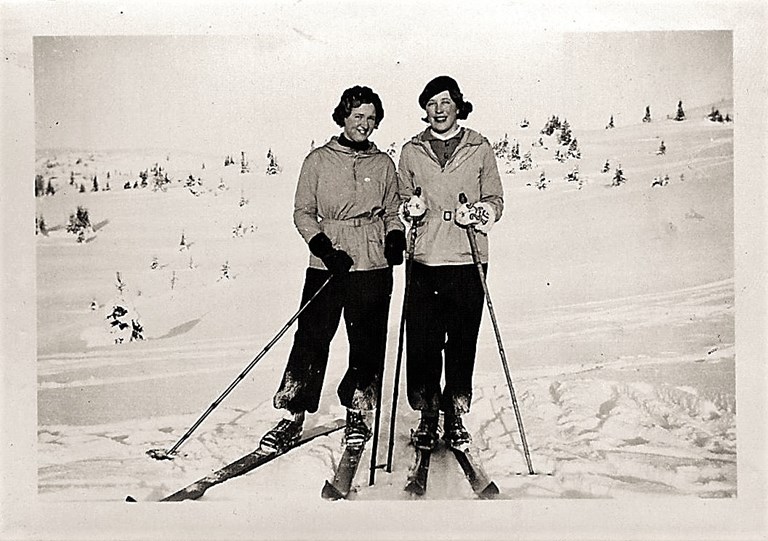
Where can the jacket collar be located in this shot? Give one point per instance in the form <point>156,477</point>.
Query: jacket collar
<point>333,144</point>
<point>469,138</point>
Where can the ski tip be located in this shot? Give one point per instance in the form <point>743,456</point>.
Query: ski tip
<point>130,499</point>
<point>415,488</point>
<point>489,492</point>
<point>331,493</point>
<point>160,454</point>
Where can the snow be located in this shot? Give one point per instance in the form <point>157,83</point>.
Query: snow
<point>615,305</point>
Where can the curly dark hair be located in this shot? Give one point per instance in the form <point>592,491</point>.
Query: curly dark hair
<point>355,97</point>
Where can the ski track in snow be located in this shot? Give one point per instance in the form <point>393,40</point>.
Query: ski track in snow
<point>588,437</point>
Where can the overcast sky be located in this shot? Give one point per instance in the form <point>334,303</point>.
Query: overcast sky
<point>281,81</point>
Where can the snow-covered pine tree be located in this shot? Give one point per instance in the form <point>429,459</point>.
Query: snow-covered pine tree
<point>662,149</point>
<point>647,117</point>
<point>618,177</point>
<point>224,271</point>
<point>272,166</point>
<point>573,175</point>
<point>542,183</point>
<point>606,167</point>
<point>526,162</point>
<point>244,167</point>
<point>79,223</point>
<point>680,115</point>
<point>552,124</point>
<point>565,136</point>
<point>183,243</point>
<point>573,149</point>
<point>95,183</point>
<point>610,125</point>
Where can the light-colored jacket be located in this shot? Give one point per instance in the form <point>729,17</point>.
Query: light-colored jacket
<point>351,196</point>
<point>471,170</point>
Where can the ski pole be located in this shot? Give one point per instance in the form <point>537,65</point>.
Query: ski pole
<point>376,425</point>
<point>162,454</point>
<point>471,234</point>
<point>398,363</point>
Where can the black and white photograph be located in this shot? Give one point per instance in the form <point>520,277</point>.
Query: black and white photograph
<point>313,270</point>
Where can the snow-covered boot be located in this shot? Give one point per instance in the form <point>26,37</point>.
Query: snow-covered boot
<point>425,435</point>
<point>456,435</point>
<point>357,432</point>
<point>283,436</point>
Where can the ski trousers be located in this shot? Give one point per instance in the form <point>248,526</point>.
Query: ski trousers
<point>363,297</point>
<point>442,326</point>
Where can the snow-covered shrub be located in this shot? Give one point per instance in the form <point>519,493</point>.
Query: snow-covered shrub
<point>79,223</point>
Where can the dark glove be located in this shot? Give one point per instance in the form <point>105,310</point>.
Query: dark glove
<point>336,261</point>
<point>394,246</point>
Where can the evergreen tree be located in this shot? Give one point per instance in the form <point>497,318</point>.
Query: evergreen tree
<point>606,167</point>
<point>618,177</point>
<point>39,185</point>
<point>680,113</point>
<point>82,188</point>
<point>526,162</point>
<point>610,125</point>
<point>573,149</point>
<point>662,149</point>
<point>272,167</point>
<point>71,178</point>
<point>79,223</point>
<point>542,183</point>
<point>565,133</point>
<point>647,117</point>
<point>95,183</point>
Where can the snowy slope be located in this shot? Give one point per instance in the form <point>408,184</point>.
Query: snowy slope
<point>616,307</point>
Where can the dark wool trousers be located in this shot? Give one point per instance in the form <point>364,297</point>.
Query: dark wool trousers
<point>442,325</point>
<point>363,297</point>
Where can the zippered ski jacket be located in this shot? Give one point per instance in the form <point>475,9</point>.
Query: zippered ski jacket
<point>351,196</point>
<point>472,170</point>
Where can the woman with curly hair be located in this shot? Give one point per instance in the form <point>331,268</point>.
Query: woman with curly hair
<point>345,208</point>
